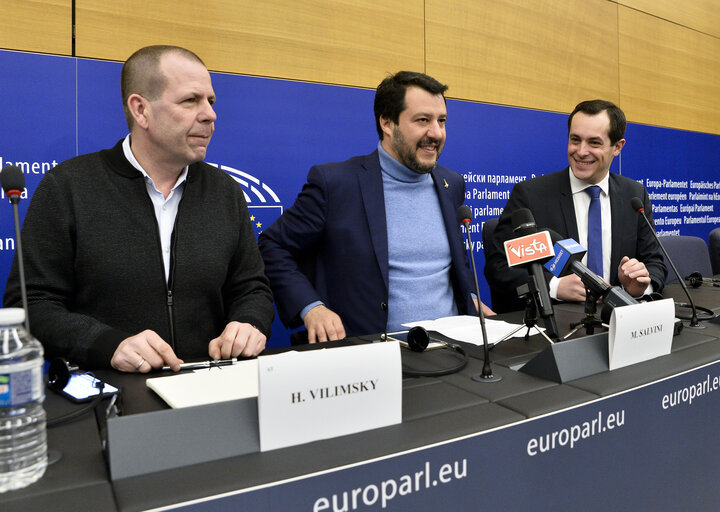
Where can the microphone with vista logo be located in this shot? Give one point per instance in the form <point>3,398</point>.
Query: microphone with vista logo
<point>464,215</point>
<point>639,207</point>
<point>13,184</point>
<point>530,249</point>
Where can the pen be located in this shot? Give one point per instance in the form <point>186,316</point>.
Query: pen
<point>203,364</point>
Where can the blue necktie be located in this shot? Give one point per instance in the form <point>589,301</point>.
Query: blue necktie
<point>594,254</point>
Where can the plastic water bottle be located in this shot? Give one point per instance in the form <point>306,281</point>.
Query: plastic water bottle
<point>23,436</point>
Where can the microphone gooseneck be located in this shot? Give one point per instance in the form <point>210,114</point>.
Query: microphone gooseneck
<point>464,216</point>
<point>12,180</point>
<point>639,207</point>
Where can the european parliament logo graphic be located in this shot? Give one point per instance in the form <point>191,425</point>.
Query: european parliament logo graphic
<point>263,203</point>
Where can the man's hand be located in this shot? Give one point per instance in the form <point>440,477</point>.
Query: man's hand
<point>323,324</point>
<point>486,310</point>
<point>634,276</point>
<point>571,288</point>
<point>143,352</point>
<point>237,339</point>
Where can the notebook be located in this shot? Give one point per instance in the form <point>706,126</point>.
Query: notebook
<point>209,385</point>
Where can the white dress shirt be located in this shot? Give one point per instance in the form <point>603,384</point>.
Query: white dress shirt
<point>581,201</point>
<point>166,209</point>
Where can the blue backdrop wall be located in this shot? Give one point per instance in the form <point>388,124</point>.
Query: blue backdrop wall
<point>270,132</point>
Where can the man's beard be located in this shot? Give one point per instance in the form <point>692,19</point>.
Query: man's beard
<point>408,155</point>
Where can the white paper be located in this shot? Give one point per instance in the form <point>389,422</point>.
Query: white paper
<point>207,386</point>
<point>639,332</point>
<point>318,394</point>
<point>467,328</point>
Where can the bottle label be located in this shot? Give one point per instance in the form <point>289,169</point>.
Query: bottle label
<point>21,387</point>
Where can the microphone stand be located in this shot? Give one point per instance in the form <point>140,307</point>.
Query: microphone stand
<point>543,300</point>
<point>694,322</point>
<point>530,318</point>
<point>589,321</point>
<point>487,374</point>
<point>14,196</point>
<point>384,335</point>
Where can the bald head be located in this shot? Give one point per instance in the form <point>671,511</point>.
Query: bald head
<point>141,74</point>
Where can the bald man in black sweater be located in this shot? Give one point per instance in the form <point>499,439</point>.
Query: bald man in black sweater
<point>142,255</point>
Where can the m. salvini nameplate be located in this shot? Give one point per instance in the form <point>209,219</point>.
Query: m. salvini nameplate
<point>318,394</point>
<point>639,332</point>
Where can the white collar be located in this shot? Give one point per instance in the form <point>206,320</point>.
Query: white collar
<point>577,185</point>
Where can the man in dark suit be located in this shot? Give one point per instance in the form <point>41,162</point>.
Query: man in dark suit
<point>373,242</point>
<point>628,256</point>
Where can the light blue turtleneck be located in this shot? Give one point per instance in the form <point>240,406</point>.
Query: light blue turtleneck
<point>418,248</point>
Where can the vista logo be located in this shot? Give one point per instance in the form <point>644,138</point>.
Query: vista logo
<point>529,248</point>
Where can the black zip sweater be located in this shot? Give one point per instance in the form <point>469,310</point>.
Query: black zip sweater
<point>94,269</point>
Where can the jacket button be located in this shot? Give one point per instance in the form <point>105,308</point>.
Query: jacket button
<point>383,306</point>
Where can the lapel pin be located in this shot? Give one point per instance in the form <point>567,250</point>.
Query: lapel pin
<point>445,183</point>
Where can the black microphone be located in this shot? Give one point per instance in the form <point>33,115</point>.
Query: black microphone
<point>523,224</point>
<point>639,207</point>
<point>567,259</point>
<point>464,216</point>
<point>13,184</point>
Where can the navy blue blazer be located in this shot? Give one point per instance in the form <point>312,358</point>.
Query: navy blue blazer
<point>332,246</point>
<point>549,197</point>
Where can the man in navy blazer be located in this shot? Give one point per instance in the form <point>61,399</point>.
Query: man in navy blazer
<point>374,242</point>
<point>631,255</point>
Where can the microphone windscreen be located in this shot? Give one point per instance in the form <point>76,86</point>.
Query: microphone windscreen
<point>464,213</point>
<point>522,217</point>
<point>12,178</point>
<point>637,204</point>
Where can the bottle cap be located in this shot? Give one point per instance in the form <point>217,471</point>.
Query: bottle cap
<point>12,316</point>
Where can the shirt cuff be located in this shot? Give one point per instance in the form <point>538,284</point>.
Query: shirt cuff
<point>554,283</point>
<point>648,291</point>
<point>304,311</point>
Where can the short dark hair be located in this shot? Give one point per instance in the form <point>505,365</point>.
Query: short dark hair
<point>593,107</point>
<point>141,74</point>
<point>390,94</point>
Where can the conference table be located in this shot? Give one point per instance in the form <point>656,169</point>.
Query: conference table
<point>641,437</point>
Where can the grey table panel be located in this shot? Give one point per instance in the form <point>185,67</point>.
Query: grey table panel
<point>436,398</point>
<point>227,475</point>
<point>622,379</point>
<point>706,295</point>
<point>547,400</point>
<point>691,337</point>
<point>513,383</point>
<point>416,382</point>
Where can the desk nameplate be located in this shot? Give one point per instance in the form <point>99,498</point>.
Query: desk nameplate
<point>318,394</point>
<point>639,332</point>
